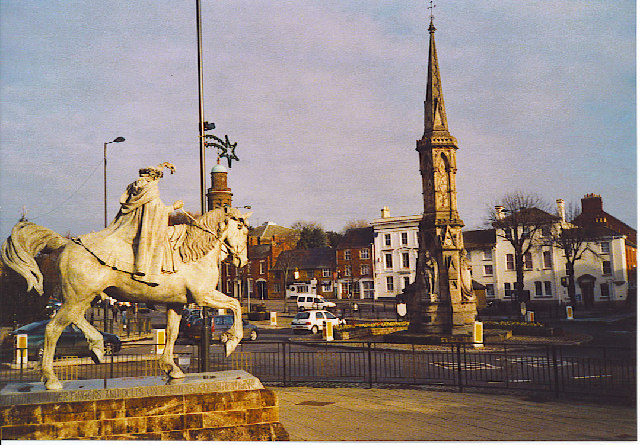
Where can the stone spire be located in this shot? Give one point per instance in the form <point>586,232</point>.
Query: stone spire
<point>435,117</point>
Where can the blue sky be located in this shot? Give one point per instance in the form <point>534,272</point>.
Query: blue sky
<point>325,100</point>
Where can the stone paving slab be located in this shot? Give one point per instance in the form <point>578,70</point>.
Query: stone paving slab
<point>360,414</point>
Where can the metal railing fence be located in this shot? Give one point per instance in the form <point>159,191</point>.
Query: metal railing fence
<point>554,369</point>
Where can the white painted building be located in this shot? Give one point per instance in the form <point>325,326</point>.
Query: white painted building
<point>600,276</point>
<point>395,249</point>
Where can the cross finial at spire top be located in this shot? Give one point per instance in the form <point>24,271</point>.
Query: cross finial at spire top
<point>431,7</point>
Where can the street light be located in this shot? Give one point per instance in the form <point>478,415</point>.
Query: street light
<point>118,139</point>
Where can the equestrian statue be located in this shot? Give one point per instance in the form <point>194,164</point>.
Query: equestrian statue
<point>137,258</point>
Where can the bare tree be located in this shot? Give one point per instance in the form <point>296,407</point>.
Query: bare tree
<point>574,241</point>
<point>356,224</point>
<point>520,218</point>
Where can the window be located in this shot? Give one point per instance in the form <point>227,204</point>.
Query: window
<point>405,282</point>
<point>388,261</point>
<point>546,259</point>
<point>606,268</point>
<point>347,255</point>
<point>326,287</point>
<point>528,261</point>
<point>365,270</point>
<point>404,237</point>
<point>302,289</point>
<point>547,288</point>
<point>487,254</point>
<point>326,273</point>
<point>488,269</point>
<point>347,270</point>
<point>604,289</point>
<point>387,239</point>
<point>262,267</point>
<point>604,247</point>
<point>546,231</point>
<point>507,289</point>
<point>356,289</point>
<point>276,288</point>
<point>364,254</point>
<point>368,289</point>
<point>389,284</point>
<point>405,260</point>
<point>511,262</point>
<point>538,285</point>
<point>491,291</point>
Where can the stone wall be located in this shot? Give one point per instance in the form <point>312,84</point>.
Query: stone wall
<point>232,415</point>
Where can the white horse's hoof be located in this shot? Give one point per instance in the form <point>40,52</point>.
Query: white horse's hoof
<point>53,384</point>
<point>97,355</point>
<point>230,346</point>
<point>177,374</point>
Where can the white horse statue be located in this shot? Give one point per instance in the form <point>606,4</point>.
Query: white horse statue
<point>84,276</point>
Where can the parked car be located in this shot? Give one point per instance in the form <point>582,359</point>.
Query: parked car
<point>72,341</point>
<point>311,301</point>
<point>188,317</point>
<point>219,326</point>
<point>313,321</point>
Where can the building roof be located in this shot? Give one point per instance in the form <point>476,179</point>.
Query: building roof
<point>315,258</point>
<point>258,252</point>
<point>358,237</point>
<point>268,230</point>
<point>479,238</point>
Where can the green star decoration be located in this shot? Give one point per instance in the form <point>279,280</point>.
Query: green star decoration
<point>230,155</point>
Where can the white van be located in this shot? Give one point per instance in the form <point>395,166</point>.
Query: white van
<point>311,301</point>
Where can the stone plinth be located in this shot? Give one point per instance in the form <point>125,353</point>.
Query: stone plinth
<point>227,405</point>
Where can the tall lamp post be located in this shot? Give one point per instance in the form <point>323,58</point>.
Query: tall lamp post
<point>118,139</point>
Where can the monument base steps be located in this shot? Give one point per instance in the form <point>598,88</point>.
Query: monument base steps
<point>228,405</point>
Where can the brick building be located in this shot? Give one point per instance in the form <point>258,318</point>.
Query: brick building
<point>354,264</point>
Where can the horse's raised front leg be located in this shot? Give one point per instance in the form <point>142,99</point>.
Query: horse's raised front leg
<point>166,362</point>
<point>218,300</point>
<point>94,338</point>
<point>68,313</point>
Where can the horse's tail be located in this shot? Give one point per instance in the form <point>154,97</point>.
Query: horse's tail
<point>25,242</point>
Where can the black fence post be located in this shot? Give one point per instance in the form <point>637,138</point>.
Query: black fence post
<point>284,363</point>
<point>556,380</point>
<point>111,366</point>
<point>506,366</point>
<point>459,360</point>
<point>370,365</point>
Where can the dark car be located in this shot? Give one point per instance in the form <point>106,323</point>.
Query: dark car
<point>219,327</point>
<point>72,341</point>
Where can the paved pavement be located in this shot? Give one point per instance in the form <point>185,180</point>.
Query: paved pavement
<point>360,414</point>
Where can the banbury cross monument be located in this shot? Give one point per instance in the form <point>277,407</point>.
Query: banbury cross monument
<point>441,300</point>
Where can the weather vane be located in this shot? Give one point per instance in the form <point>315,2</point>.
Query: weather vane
<point>431,7</point>
<point>226,149</point>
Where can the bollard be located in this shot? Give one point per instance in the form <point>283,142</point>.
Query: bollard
<point>273,319</point>
<point>569,312</point>
<point>478,334</point>
<point>22,351</point>
<point>160,340</point>
<point>327,332</point>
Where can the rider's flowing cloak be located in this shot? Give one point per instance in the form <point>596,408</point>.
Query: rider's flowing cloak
<point>138,238</point>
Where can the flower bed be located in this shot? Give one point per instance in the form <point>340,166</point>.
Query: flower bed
<point>360,330</point>
<point>523,328</point>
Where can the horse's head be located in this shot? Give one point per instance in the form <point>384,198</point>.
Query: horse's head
<point>234,235</point>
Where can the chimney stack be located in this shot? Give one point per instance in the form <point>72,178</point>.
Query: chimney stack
<point>386,213</point>
<point>561,210</point>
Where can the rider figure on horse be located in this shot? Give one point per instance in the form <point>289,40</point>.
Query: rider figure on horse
<point>143,213</point>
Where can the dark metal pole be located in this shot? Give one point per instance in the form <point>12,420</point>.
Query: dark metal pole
<point>206,326</point>
<point>105,184</point>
